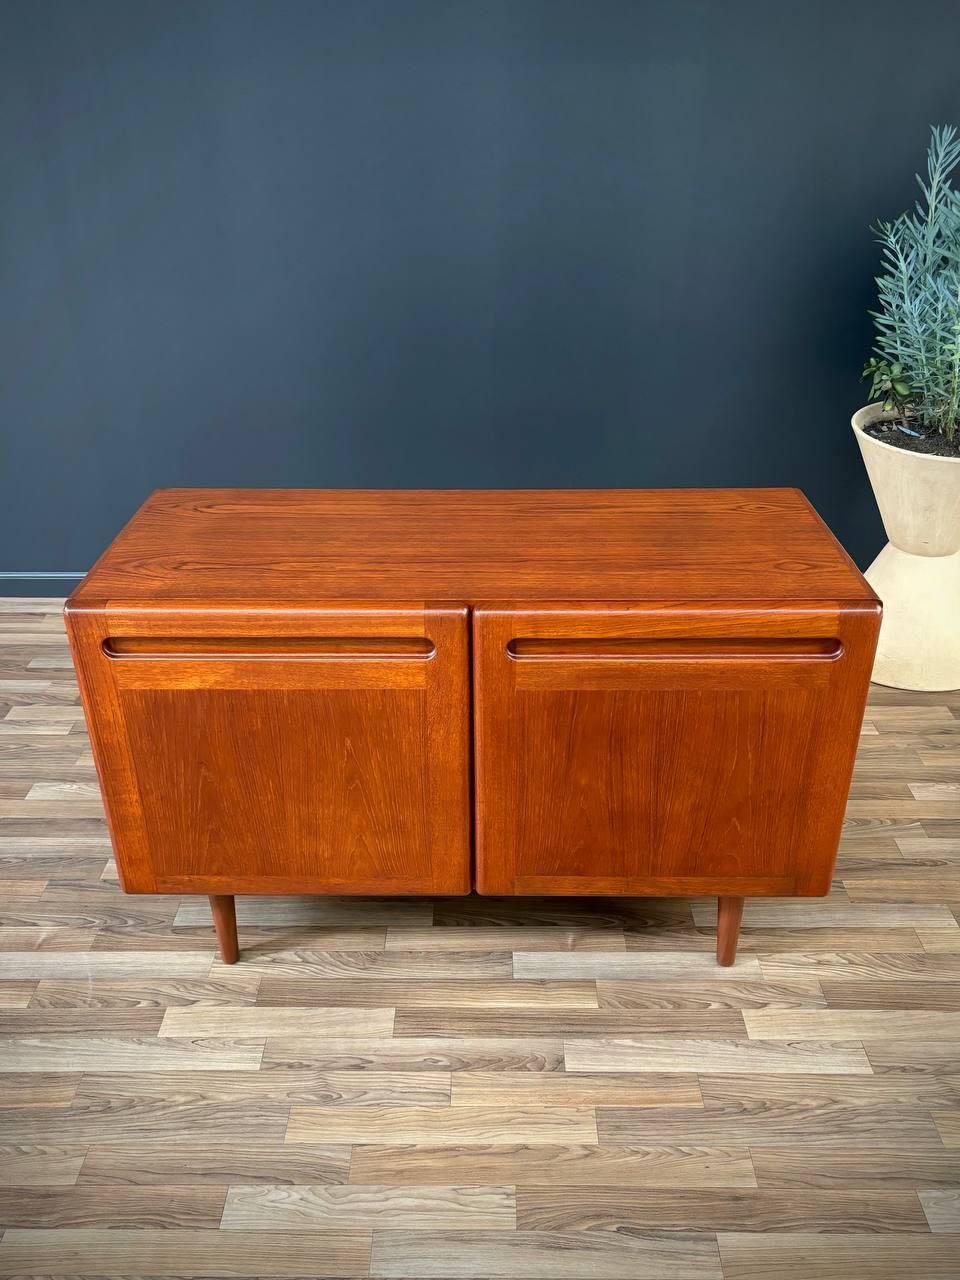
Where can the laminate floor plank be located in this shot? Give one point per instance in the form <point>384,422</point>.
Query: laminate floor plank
<point>913,1058</point>
<point>120,1121</point>
<point>901,996</point>
<point>546,1164</point>
<point>33,1089</point>
<point>620,1209</point>
<point>87,1206</point>
<point>557,1088</point>
<point>405,966</point>
<point>857,966</point>
<point>948,1126</point>
<point>568,1022</point>
<point>420,1088</point>
<point>650,994</point>
<point>849,1024</point>
<point>39,1021</point>
<point>877,1090</point>
<point>441,1126</point>
<point>17,994</point>
<point>41,1168</point>
<point>192,1254</point>
<point>845,1168</point>
<point>94,964</point>
<point>784,1256</point>
<point>157,993</point>
<point>460,1255</point>
<point>678,966</point>
<point>383,1207</point>
<point>227,1162</point>
<point>942,1210</point>
<point>219,1021</point>
<point>410,1053</point>
<point>456,993</point>
<point>126,1053</point>
<point>754,1126</point>
<point>522,937</point>
<point>720,1056</point>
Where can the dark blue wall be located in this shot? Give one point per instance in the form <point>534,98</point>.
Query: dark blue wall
<point>444,242</point>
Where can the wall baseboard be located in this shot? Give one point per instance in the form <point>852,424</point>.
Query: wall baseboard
<point>37,583</point>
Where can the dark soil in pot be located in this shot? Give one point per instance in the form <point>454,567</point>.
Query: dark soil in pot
<point>926,442</point>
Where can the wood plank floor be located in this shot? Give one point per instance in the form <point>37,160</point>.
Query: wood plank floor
<point>475,1088</point>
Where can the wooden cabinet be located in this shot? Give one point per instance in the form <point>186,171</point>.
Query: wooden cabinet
<point>668,749</point>
<point>394,692</point>
<point>308,751</point>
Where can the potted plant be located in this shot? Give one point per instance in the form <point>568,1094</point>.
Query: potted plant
<point>910,435</point>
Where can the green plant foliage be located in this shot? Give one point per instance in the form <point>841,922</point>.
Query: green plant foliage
<point>916,366</point>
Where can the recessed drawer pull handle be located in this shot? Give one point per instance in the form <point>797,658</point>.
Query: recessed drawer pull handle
<point>276,648</point>
<point>677,649</point>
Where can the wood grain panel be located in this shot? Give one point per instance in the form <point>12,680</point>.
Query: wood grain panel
<point>510,1089</point>
<point>126,1053</point>
<point>397,965</point>
<point>350,1086</point>
<point>841,1167</point>
<point>741,1056</point>
<point>99,1121</point>
<point>942,1210</point>
<point>556,1165</point>
<point>714,710</point>
<point>522,937</point>
<point>217,1022</point>
<point>87,1206</point>
<point>865,965</point>
<point>359,761</point>
<point>441,1126</point>
<point>266,546</point>
<point>36,1089</point>
<point>51,1168</point>
<point>635,994</point>
<point>92,964</point>
<point>183,1253</point>
<point>16,995</point>
<point>756,1256</point>
<point>773,1126</point>
<point>463,993</point>
<point>356,1207</point>
<point>230,989</point>
<point>677,965</point>
<point>567,1022</point>
<point>621,1209</point>
<point>417,1053</point>
<point>220,1163</point>
<point>879,1090</point>
<point>459,1255</point>
<point>851,1024</point>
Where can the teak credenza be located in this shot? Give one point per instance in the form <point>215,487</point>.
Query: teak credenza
<point>539,692</point>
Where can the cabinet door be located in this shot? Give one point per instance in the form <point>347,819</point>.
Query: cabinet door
<point>673,750</point>
<point>282,752</point>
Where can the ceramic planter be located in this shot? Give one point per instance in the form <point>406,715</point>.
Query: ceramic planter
<point>917,574</point>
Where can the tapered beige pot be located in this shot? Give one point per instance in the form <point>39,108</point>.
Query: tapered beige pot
<point>917,574</point>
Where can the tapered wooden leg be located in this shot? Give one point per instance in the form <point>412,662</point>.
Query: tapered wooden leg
<point>729,915</point>
<point>224,910</point>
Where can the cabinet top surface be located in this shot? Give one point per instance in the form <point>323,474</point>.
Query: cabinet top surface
<point>259,547</point>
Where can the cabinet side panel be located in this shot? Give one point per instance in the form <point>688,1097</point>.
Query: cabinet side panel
<point>87,630</point>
